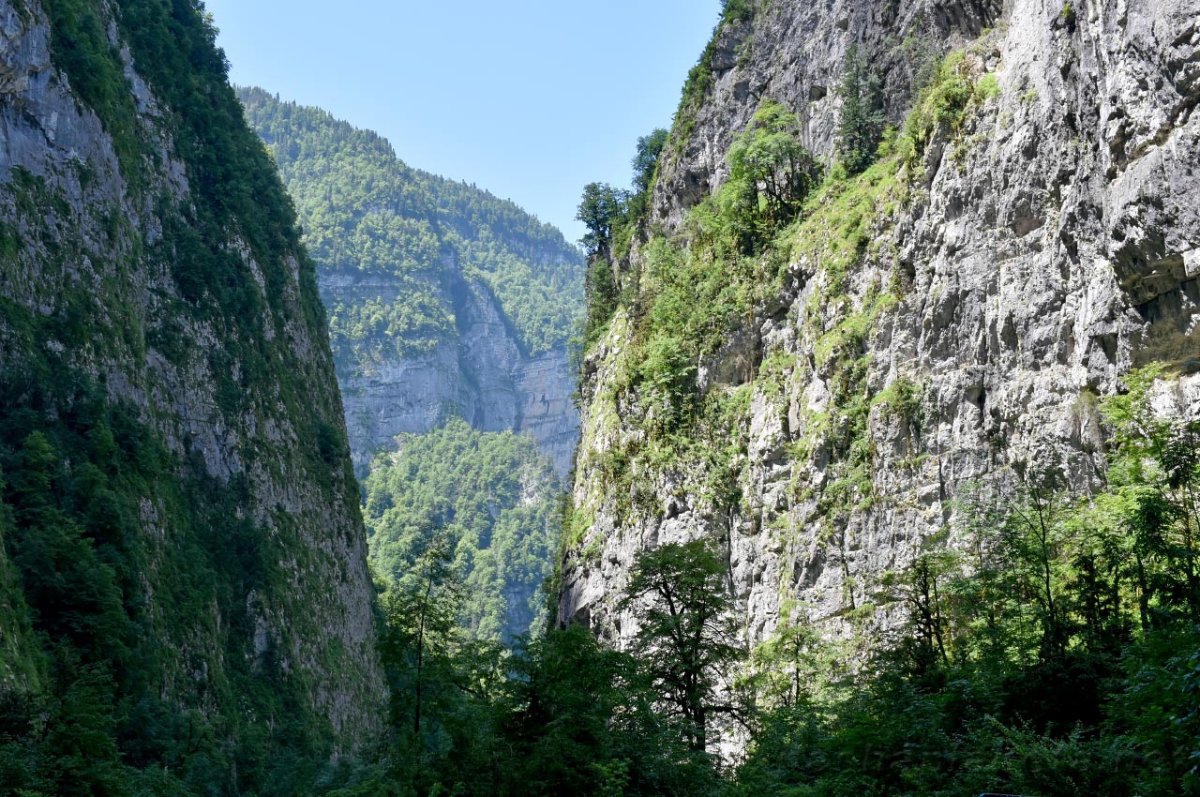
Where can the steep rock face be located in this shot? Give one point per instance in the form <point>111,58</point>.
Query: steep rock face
<point>481,375</point>
<point>546,408</point>
<point>794,53</point>
<point>167,395</point>
<point>1023,264</point>
<point>444,300</point>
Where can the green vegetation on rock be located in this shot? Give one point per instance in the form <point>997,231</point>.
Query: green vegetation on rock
<point>862,120</point>
<point>159,607</point>
<point>1055,652</point>
<point>154,638</point>
<point>682,297</point>
<point>1031,660</point>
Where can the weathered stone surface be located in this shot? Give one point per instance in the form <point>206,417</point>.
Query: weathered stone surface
<point>1049,250</point>
<point>481,374</point>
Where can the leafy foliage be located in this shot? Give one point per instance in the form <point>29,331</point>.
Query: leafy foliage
<point>770,176</point>
<point>1053,656</point>
<point>600,210</point>
<point>492,499</point>
<point>686,638</point>
<point>559,714</point>
<point>645,162</point>
<point>614,219</point>
<point>862,120</point>
<point>130,578</point>
<point>691,291</point>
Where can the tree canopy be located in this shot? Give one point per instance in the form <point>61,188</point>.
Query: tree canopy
<point>686,637</point>
<point>492,499</point>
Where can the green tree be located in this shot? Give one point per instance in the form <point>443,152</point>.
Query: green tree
<point>1155,474</point>
<point>422,612</point>
<point>568,691</point>
<point>686,636</point>
<point>922,590</point>
<point>582,721</point>
<point>1034,538</point>
<point>1177,450</point>
<point>785,668</point>
<point>645,162</point>
<point>862,119</point>
<point>601,207</point>
<point>424,654</point>
<point>771,173</point>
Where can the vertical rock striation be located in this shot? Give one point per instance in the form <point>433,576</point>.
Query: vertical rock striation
<point>1033,254</point>
<point>444,300</point>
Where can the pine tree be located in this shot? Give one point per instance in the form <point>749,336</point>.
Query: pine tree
<point>862,117</point>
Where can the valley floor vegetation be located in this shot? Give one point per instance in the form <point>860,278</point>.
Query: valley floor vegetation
<point>490,499</point>
<point>1056,654</point>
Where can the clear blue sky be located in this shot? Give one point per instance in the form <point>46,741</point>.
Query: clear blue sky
<point>529,99</point>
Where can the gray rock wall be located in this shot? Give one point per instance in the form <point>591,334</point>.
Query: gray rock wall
<point>481,375</point>
<point>1049,247</point>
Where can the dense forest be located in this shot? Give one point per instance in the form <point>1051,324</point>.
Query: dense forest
<point>487,503</point>
<point>365,212</point>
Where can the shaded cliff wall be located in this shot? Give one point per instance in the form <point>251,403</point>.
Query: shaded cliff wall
<point>171,434</point>
<point>480,374</point>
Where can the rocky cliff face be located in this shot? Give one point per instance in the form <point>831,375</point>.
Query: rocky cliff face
<point>481,375</point>
<point>167,397</point>
<point>943,323</point>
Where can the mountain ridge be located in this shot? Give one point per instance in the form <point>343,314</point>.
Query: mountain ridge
<point>443,299</point>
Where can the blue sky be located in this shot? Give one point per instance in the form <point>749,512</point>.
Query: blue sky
<point>530,100</point>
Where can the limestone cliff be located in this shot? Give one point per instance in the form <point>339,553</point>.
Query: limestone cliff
<point>479,373</point>
<point>444,300</point>
<point>179,510</point>
<point>939,325</point>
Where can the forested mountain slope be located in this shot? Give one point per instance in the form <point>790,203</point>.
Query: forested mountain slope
<point>443,300</point>
<point>492,500</point>
<point>896,258</point>
<point>184,597</point>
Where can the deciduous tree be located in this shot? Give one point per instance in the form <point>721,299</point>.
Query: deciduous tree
<point>687,638</point>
